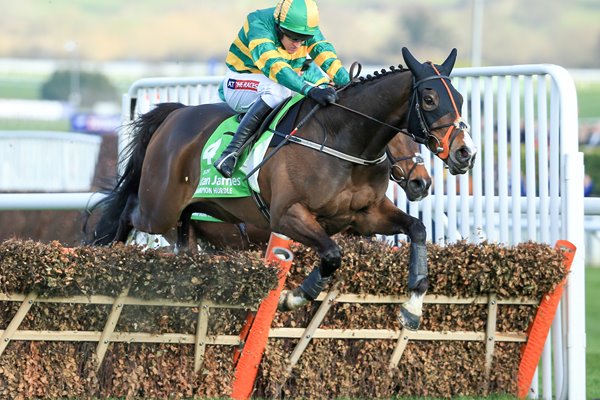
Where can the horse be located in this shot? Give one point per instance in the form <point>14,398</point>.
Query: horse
<point>306,195</point>
<point>408,167</point>
<point>407,170</point>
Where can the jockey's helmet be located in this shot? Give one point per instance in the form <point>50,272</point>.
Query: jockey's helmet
<point>297,19</point>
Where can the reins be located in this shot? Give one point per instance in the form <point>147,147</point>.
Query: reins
<point>457,125</point>
<point>313,145</point>
<point>353,78</point>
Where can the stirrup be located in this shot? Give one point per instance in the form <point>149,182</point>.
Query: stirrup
<point>219,163</point>
<point>226,164</point>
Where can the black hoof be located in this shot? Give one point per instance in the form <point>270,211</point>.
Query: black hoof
<point>409,320</point>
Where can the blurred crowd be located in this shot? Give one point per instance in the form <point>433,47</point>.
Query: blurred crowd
<point>589,134</point>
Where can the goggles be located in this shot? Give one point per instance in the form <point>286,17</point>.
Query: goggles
<point>295,37</point>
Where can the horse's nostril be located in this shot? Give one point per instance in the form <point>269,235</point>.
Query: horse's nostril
<point>418,185</point>
<point>463,154</point>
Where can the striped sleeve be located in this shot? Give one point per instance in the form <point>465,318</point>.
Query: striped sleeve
<point>271,61</point>
<point>256,49</point>
<point>325,57</point>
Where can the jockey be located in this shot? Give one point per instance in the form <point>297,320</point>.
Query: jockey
<point>265,64</point>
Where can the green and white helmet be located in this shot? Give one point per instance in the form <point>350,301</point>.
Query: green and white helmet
<point>297,16</point>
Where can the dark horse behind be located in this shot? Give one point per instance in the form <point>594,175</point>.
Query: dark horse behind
<point>310,195</point>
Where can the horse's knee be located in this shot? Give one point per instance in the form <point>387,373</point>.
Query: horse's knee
<point>331,259</point>
<point>417,231</point>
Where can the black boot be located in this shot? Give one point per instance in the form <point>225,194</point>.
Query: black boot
<point>248,125</point>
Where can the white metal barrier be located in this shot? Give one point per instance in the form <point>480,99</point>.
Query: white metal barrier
<point>145,93</point>
<point>47,160</point>
<point>527,184</point>
<point>536,103</point>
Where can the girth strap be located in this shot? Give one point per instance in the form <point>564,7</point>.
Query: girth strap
<point>262,205</point>
<point>333,152</point>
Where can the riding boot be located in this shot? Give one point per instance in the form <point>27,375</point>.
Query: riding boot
<point>248,125</point>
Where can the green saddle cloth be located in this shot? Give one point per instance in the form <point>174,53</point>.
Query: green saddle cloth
<point>212,184</point>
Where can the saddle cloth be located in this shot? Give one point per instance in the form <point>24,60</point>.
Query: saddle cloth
<point>212,184</point>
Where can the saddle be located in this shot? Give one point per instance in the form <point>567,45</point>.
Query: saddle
<point>271,132</point>
<point>283,127</point>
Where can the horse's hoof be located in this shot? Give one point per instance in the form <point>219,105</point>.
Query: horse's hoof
<point>290,300</point>
<point>409,320</point>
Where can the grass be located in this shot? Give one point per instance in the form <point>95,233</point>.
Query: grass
<point>588,98</point>
<point>62,125</point>
<point>592,317</point>
<point>21,88</point>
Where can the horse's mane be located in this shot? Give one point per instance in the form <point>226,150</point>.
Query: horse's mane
<point>378,74</point>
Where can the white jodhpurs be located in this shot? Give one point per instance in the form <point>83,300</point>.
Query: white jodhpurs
<point>242,90</point>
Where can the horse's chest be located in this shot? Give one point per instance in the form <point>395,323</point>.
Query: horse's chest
<point>355,200</point>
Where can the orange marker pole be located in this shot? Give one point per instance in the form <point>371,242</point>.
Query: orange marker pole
<point>257,327</point>
<point>538,331</point>
<point>275,240</point>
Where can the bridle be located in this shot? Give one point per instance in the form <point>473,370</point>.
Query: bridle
<point>416,158</point>
<point>439,147</point>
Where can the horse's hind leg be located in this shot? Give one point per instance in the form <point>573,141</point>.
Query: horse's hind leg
<point>302,226</point>
<point>125,219</point>
<point>184,243</point>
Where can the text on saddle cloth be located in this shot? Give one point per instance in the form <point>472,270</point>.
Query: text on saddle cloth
<point>212,184</point>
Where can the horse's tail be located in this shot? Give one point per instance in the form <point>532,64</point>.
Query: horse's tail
<point>111,219</point>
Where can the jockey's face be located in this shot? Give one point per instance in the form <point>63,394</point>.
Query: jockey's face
<point>291,45</point>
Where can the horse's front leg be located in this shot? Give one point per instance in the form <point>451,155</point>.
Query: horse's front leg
<point>301,225</point>
<point>387,219</point>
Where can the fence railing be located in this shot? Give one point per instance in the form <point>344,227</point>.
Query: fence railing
<point>201,339</point>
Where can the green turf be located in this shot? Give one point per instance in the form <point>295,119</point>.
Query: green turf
<point>588,98</point>
<point>20,88</point>
<point>26,125</point>
<point>592,312</point>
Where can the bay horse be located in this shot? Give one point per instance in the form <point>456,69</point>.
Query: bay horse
<point>407,170</point>
<point>310,195</point>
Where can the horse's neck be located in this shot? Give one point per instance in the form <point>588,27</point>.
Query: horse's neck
<point>385,99</point>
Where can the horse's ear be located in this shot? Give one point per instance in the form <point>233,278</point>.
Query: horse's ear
<point>412,63</point>
<point>449,63</point>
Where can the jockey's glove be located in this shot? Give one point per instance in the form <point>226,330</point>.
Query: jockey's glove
<point>323,96</point>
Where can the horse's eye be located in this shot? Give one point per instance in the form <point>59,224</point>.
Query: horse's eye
<point>429,103</point>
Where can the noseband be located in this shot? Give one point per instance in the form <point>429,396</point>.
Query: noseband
<point>439,147</point>
<point>416,158</point>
